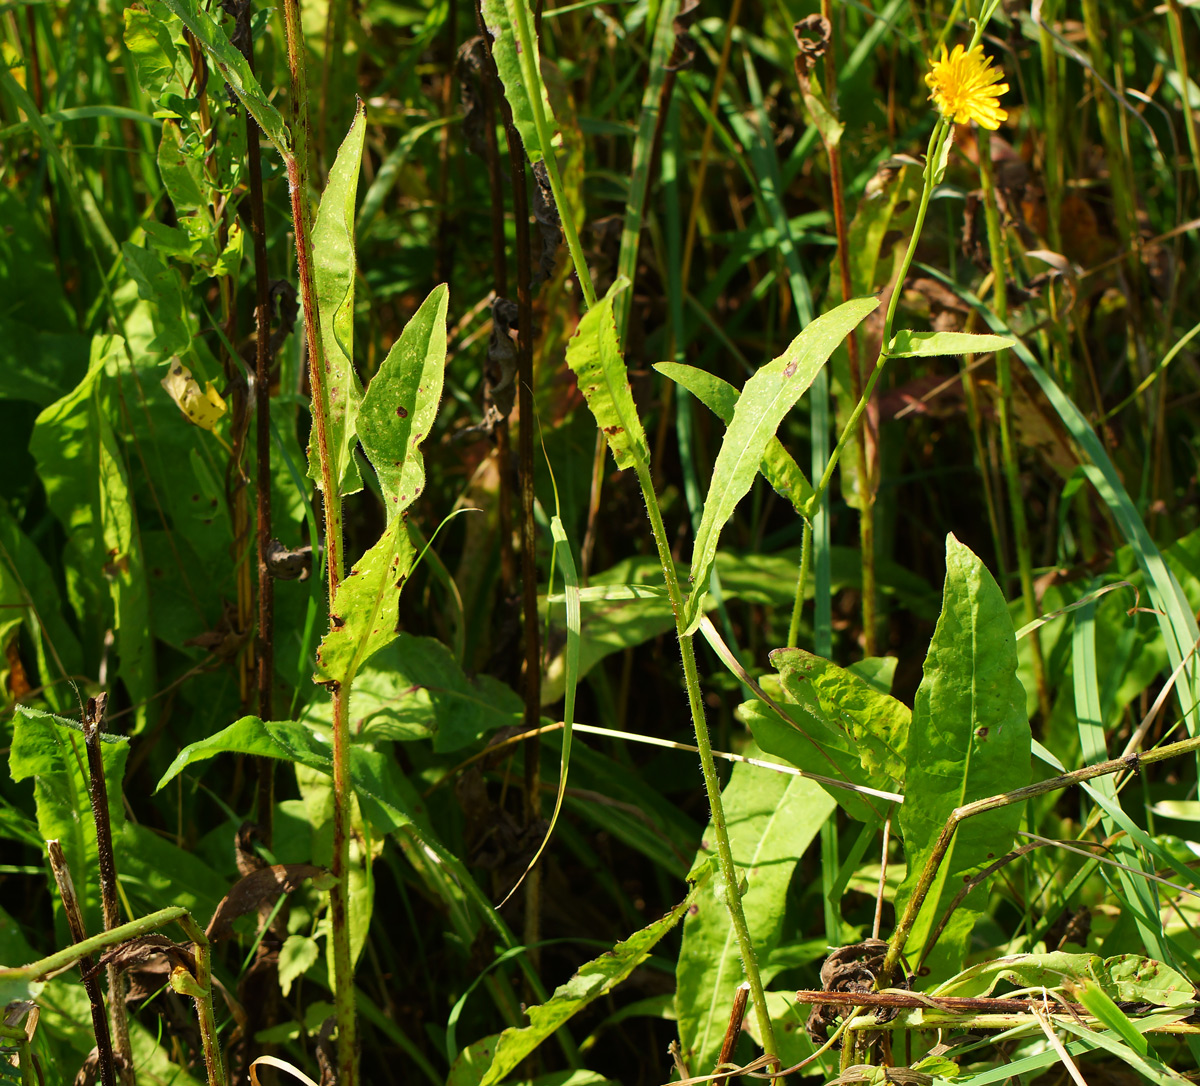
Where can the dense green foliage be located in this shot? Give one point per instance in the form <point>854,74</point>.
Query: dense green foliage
<point>732,353</point>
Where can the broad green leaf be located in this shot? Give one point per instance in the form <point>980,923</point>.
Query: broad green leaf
<point>154,869</point>
<point>384,792</point>
<point>812,743</point>
<point>399,407</point>
<point>969,739</point>
<point>720,397</point>
<point>87,487</point>
<point>768,395</point>
<point>415,689</point>
<point>591,981</point>
<point>55,757</point>
<point>517,71</point>
<point>877,724</point>
<point>28,587</point>
<point>366,605</point>
<point>395,417</point>
<point>233,69</point>
<point>297,956</point>
<point>1123,978</point>
<point>334,272</point>
<point>772,819</point>
<point>907,344</point>
<point>152,45</point>
<point>788,1019</point>
<point>36,365</point>
<point>594,356</point>
<point>181,163</point>
<point>162,286</point>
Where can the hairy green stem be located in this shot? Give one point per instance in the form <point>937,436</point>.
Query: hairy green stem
<point>339,894</point>
<point>708,767</point>
<point>801,584</point>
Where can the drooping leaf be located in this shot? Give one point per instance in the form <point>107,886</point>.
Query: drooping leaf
<point>203,407</point>
<point>520,73</point>
<point>772,819</point>
<point>777,467</point>
<point>591,981</point>
<point>87,486</point>
<point>594,356</point>
<point>876,723</point>
<point>54,756</point>
<point>768,395</point>
<point>906,344</point>
<point>969,739</point>
<point>334,273</point>
<point>233,69</point>
<point>414,689</point>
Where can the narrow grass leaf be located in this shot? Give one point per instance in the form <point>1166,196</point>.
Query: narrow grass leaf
<point>768,396</point>
<point>334,274</point>
<point>720,397</point>
<point>594,355</point>
<point>562,548</point>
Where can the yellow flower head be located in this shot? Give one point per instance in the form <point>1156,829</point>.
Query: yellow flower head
<point>966,88</point>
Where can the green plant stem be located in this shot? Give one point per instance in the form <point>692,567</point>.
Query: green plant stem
<point>339,894</point>
<point>533,81</point>
<point>708,767</point>
<point>941,132</point>
<point>801,584</point>
<point>64,959</point>
<point>202,995</point>
<point>1012,473</point>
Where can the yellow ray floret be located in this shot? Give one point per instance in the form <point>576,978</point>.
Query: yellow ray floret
<point>966,88</point>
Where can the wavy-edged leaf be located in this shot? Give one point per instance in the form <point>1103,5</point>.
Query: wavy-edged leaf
<point>772,820</point>
<point>969,739</point>
<point>395,417</point>
<point>768,395</point>
<point>590,982</point>
<point>334,273</point>
<point>594,356</point>
<point>720,397</point>
<point>876,724</point>
<point>906,344</point>
<point>233,69</point>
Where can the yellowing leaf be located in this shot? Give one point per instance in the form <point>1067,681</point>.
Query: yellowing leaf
<point>204,408</point>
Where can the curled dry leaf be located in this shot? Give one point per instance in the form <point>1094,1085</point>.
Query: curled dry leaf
<point>258,888</point>
<point>203,408</point>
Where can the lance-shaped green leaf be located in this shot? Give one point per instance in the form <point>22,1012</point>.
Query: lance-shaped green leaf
<point>234,70</point>
<point>720,397</point>
<point>519,75</point>
<point>907,344</point>
<point>590,982</point>
<point>333,276</point>
<point>595,357</point>
<point>401,403</point>
<point>875,723</point>
<point>772,821</point>
<point>396,415</point>
<point>969,739</point>
<point>768,396</point>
